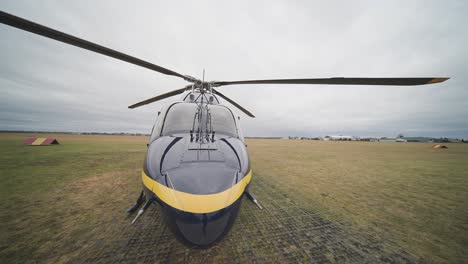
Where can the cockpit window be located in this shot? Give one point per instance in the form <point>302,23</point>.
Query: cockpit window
<point>180,118</point>
<point>223,121</point>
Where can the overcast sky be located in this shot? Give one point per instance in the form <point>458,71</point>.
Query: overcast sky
<point>48,85</point>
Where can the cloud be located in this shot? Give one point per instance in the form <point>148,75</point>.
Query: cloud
<point>46,85</point>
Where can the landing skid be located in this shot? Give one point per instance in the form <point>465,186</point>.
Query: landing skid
<point>253,199</point>
<point>141,199</point>
<point>138,203</point>
<point>142,210</point>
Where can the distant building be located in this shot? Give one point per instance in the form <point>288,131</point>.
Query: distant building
<point>385,139</point>
<point>339,138</point>
<point>419,139</point>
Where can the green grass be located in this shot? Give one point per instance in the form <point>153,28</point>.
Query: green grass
<point>56,199</point>
<point>415,195</point>
<point>46,200</point>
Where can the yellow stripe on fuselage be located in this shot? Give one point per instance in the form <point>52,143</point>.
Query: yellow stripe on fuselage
<point>196,203</point>
<point>38,141</point>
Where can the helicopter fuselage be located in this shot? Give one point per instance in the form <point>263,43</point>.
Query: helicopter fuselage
<point>197,176</point>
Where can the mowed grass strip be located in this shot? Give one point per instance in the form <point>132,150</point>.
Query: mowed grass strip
<point>413,194</point>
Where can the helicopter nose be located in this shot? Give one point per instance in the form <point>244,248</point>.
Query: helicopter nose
<point>204,229</point>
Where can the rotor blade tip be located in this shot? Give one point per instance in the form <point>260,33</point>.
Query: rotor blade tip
<point>438,80</point>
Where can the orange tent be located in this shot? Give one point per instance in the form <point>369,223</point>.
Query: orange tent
<point>41,141</point>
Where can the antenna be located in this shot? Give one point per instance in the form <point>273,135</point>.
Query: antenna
<point>203,79</point>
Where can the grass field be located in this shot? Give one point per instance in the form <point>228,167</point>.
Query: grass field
<point>412,194</point>
<point>324,201</point>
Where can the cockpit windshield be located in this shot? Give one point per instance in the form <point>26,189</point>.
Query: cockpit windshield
<point>182,117</point>
<point>179,119</point>
<point>223,121</point>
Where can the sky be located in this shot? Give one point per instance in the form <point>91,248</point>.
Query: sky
<point>50,86</point>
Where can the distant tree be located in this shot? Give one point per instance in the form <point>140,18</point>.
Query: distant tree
<point>400,136</point>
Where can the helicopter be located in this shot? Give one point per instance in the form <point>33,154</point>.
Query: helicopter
<point>197,167</point>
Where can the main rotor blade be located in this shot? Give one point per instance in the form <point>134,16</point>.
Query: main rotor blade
<point>233,103</point>
<point>342,81</point>
<point>160,97</point>
<point>38,29</point>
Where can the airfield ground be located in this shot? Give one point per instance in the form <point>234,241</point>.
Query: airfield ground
<point>324,202</point>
